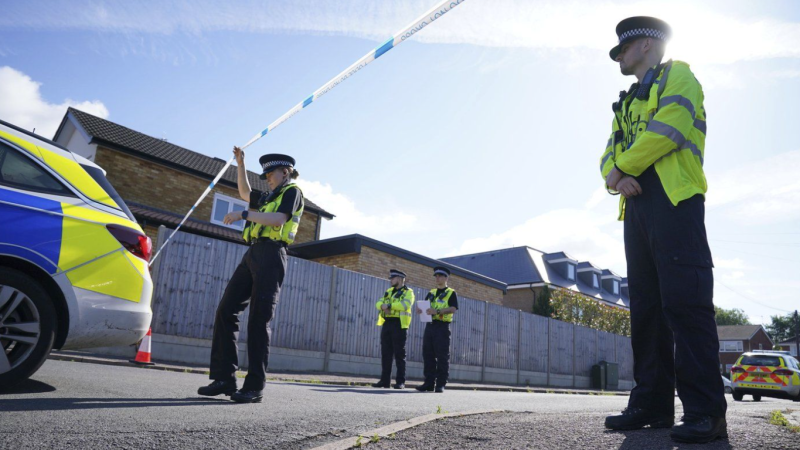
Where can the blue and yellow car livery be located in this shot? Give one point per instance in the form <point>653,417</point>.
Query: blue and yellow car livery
<point>63,224</point>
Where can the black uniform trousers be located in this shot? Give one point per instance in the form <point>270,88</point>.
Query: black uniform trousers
<point>257,279</point>
<point>673,332</point>
<point>393,346</point>
<point>436,353</point>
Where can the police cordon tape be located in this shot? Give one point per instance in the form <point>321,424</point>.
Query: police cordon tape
<point>424,20</point>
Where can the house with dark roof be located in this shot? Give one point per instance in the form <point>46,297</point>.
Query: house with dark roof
<point>527,271</point>
<point>160,181</point>
<point>737,339</point>
<point>372,257</point>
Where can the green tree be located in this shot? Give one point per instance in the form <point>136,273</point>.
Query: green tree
<point>731,316</point>
<point>542,306</point>
<point>781,328</point>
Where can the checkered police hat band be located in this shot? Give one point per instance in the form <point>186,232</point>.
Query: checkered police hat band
<point>643,32</point>
<point>270,164</point>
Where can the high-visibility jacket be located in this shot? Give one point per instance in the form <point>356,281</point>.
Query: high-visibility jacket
<point>439,302</point>
<point>285,232</point>
<point>400,306</point>
<point>668,130</point>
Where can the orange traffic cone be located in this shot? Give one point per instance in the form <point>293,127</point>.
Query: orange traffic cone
<point>143,355</point>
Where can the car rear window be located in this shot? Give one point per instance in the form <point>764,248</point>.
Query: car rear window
<point>101,179</point>
<point>760,360</point>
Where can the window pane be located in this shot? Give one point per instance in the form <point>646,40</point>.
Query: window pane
<point>220,209</point>
<point>101,179</point>
<point>570,271</point>
<point>18,171</point>
<point>616,287</point>
<point>595,283</point>
<point>239,223</point>
<point>238,207</point>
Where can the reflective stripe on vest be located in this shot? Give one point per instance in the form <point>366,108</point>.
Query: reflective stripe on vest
<point>440,302</point>
<point>286,232</point>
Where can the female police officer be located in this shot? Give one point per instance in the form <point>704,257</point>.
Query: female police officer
<point>258,278</point>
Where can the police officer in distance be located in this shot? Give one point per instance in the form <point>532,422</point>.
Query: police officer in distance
<point>436,340</point>
<point>257,279</point>
<point>394,317</point>
<point>655,160</point>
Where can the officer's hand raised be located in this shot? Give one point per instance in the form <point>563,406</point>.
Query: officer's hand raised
<point>239,154</point>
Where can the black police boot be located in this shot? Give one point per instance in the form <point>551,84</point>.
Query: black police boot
<point>439,389</point>
<point>399,386</point>
<point>242,396</point>
<point>636,418</point>
<point>699,429</point>
<point>381,384</point>
<point>424,388</point>
<point>218,387</point>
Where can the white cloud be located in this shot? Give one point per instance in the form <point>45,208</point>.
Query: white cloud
<point>349,219</point>
<point>759,192</point>
<point>701,33</point>
<point>585,234</point>
<point>22,104</point>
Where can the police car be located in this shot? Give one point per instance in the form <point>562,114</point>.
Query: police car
<point>766,373</point>
<point>73,260</point>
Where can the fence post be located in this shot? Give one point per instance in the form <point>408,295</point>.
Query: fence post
<point>519,342</point>
<point>574,357</point>
<point>485,340</point>
<point>548,350</point>
<point>331,320</point>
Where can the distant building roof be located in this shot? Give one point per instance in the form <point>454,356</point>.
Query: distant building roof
<point>738,332</point>
<point>790,341</point>
<point>353,243</point>
<point>527,265</point>
<point>118,137</point>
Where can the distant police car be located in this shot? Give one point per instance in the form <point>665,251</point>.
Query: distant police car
<point>73,260</point>
<point>765,373</point>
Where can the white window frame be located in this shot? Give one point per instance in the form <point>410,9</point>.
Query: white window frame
<point>739,347</point>
<point>615,287</point>
<point>596,281</point>
<point>571,270</point>
<point>231,201</point>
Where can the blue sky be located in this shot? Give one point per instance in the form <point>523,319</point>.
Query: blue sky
<point>482,132</point>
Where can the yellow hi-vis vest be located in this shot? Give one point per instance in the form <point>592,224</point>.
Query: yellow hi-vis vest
<point>440,302</point>
<point>668,130</point>
<point>285,232</point>
<point>400,303</point>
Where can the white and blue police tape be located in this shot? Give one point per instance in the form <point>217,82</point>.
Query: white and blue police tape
<point>426,19</point>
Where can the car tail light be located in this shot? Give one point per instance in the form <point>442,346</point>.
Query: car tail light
<point>783,372</point>
<point>133,241</point>
<point>737,369</point>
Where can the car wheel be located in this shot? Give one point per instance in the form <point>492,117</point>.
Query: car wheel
<point>728,390</point>
<point>27,326</point>
<point>756,398</point>
<point>737,396</point>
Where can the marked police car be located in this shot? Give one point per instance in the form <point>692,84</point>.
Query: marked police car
<point>765,373</point>
<point>73,260</point>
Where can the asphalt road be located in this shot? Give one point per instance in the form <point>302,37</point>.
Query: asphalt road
<point>78,405</point>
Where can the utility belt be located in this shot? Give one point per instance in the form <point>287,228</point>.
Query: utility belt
<point>440,322</point>
<point>268,241</point>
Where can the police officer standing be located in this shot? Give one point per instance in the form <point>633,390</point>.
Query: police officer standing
<point>394,317</point>
<point>436,340</point>
<point>257,279</point>
<point>655,160</point>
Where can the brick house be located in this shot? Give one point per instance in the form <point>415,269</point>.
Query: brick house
<point>160,181</point>
<point>737,339</point>
<point>526,271</point>
<point>371,257</point>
